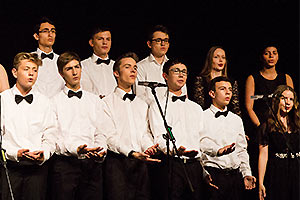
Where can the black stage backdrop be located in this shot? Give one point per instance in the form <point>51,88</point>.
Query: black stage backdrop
<point>242,27</point>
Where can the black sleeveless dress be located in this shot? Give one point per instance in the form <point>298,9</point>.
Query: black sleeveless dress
<point>282,173</point>
<point>265,87</point>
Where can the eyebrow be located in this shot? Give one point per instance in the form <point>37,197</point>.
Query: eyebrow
<point>223,86</point>
<point>48,29</point>
<point>127,64</point>
<point>29,67</point>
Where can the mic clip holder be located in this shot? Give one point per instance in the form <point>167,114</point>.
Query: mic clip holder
<point>2,156</point>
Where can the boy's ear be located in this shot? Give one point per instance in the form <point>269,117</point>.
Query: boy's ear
<point>149,44</point>
<point>212,94</point>
<point>165,76</point>
<point>14,72</point>
<point>36,36</point>
<point>116,74</point>
<point>91,43</point>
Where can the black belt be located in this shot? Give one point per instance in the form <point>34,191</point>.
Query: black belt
<point>115,155</point>
<point>227,171</point>
<point>23,164</point>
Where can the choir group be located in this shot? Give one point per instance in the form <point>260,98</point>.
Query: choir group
<point>85,129</point>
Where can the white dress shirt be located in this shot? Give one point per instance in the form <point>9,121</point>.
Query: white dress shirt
<point>79,122</point>
<point>150,70</point>
<point>220,132</point>
<point>49,82</point>
<point>97,78</point>
<point>130,123</point>
<point>27,126</point>
<point>186,120</point>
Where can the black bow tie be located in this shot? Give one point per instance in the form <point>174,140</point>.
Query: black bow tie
<point>99,61</point>
<point>72,94</point>
<point>28,98</point>
<point>129,96</point>
<point>50,56</point>
<point>219,113</point>
<point>182,98</point>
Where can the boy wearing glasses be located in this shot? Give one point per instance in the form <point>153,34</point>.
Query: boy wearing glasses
<point>180,114</point>
<point>49,82</point>
<point>151,68</point>
<point>81,145</point>
<point>97,70</point>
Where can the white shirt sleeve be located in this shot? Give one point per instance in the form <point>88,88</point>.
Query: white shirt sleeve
<point>49,136</point>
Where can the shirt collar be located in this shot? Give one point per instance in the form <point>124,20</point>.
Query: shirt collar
<point>66,90</point>
<point>94,58</point>
<point>152,59</point>
<point>16,91</point>
<point>214,109</point>
<point>39,52</point>
<point>172,94</point>
<point>120,93</point>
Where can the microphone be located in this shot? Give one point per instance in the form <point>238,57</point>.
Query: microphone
<point>151,84</point>
<point>261,96</point>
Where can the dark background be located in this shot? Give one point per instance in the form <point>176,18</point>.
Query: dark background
<point>242,27</point>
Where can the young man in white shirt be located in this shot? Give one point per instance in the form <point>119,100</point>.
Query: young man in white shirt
<point>28,129</point>
<point>49,82</point>
<point>131,144</point>
<point>81,145</point>
<point>224,145</point>
<point>97,70</point>
<point>186,120</point>
<point>151,68</point>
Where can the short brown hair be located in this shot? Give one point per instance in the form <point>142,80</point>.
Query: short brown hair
<point>65,58</point>
<point>33,57</point>
<point>212,83</point>
<point>117,64</point>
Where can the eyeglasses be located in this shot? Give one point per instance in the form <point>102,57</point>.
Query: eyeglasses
<point>48,31</point>
<point>177,71</point>
<point>160,40</point>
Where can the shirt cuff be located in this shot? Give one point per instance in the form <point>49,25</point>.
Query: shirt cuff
<point>246,173</point>
<point>46,156</point>
<point>124,150</point>
<point>12,154</point>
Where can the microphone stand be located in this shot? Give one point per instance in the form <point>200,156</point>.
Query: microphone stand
<point>170,137</point>
<point>3,158</point>
<point>282,129</point>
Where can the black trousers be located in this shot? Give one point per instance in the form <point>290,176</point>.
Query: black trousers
<point>125,178</point>
<point>73,179</point>
<point>230,183</point>
<point>178,185</point>
<point>29,182</point>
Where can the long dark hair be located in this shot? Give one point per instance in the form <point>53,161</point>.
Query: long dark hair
<point>293,115</point>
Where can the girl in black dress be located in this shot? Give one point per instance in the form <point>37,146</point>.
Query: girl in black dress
<point>279,152</point>
<point>264,82</point>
